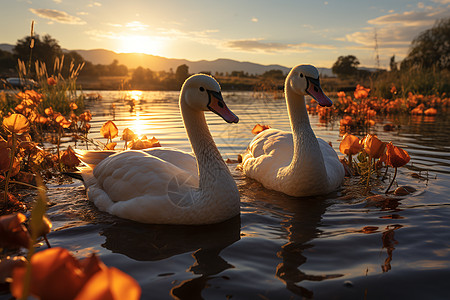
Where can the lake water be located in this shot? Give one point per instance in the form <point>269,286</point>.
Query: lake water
<point>339,246</point>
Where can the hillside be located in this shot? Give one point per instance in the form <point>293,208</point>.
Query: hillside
<point>159,63</point>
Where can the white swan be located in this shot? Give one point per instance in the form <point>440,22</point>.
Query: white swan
<point>164,185</point>
<point>297,164</point>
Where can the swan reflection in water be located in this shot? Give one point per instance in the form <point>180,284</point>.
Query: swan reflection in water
<point>300,218</point>
<point>158,242</point>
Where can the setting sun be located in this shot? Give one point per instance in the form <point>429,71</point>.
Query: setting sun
<point>139,44</point>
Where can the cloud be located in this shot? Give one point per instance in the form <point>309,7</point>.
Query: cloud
<point>395,31</point>
<point>98,4</point>
<point>423,18</point>
<point>136,26</point>
<point>57,16</point>
<point>259,45</point>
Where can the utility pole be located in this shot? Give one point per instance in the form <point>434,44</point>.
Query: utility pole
<point>377,56</point>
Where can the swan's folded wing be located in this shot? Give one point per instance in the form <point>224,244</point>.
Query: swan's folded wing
<point>181,159</point>
<point>268,151</point>
<point>335,170</point>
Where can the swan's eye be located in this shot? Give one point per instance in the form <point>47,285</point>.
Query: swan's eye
<point>202,89</point>
<point>301,75</point>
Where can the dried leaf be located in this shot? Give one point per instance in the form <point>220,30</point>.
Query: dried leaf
<point>396,156</point>
<point>69,158</point>
<point>128,135</point>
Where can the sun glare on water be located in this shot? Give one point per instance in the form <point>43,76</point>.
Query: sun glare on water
<point>139,44</point>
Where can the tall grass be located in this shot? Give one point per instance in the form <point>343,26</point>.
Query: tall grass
<point>425,81</point>
<point>58,92</point>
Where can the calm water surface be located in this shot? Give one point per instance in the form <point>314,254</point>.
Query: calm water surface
<point>339,246</point>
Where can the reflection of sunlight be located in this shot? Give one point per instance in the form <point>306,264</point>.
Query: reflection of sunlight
<point>134,95</point>
<point>138,126</point>
<point>139,44</point>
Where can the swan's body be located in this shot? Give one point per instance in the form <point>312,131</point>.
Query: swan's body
<point>297,163</point>
<point>169,186</point>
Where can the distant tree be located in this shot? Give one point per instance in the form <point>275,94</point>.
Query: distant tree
<point>345,66</point>
<point>182,73</point>
<point>45,50</point>
<point>431,48</point>
<point>275,74</point>
<point>393,64</point>
<point>7,63</point>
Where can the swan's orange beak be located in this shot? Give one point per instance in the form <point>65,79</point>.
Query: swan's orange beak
<point>218,106</point>
<point>315,91</point>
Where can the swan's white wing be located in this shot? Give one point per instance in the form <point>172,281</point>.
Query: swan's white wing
<point>141,187</point>
<point>270,150</point>
<point>181,159</point>
<point>335,170</point>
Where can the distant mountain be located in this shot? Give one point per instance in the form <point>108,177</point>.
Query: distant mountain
<point>159,63</point>
<point>6,47</point>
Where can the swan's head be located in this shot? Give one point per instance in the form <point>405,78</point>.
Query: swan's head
<point>202,92</point>
<point>304,79</point>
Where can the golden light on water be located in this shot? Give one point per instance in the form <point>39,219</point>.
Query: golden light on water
<point>134,95</point>
<point>138,126</point>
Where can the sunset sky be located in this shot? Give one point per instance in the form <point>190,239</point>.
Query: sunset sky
<point>285,32</point>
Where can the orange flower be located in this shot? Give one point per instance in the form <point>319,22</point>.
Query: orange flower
<point>430,112</point>
<point>258,128</point>
<point>16,123</point>
<point>361,92</point>
<point>55,274</point>
<point>341,94</point>
<point>110,146</point>
<point>109,130</point>
<point>144,143</point>
<point>110,284</point>
<point>13,234</point>
<point>49,111</point>
<point>346,121</point>
<point>69,158</point>
<point>350,144</point>
<point>73,106</point>
<point>393,90</point>
<point>396,156</point>
<point>373,146</point>
<point>128,135</point>
<point>51,80</point>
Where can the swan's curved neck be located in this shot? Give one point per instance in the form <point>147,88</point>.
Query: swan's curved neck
<point>210,162</point>
<point>307,158</point>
